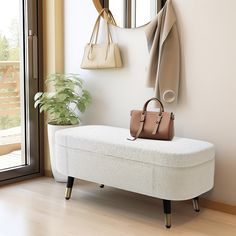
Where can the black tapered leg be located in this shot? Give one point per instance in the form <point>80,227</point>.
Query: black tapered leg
<point>69,186</point>
<point>102,186</point>
<point>167,212</point>
<point>196,206</point>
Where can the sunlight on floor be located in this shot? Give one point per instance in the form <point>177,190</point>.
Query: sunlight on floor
<point>10,160</point>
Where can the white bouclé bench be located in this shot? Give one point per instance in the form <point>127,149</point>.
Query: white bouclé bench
<point>180,169</point>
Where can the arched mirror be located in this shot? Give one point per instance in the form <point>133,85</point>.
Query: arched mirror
<point>131,13</point>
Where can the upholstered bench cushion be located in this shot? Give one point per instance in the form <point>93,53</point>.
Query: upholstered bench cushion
<point>112,141</point>
<point>175,170</point>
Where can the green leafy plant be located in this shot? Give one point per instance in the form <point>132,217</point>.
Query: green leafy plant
<point>66,99</point>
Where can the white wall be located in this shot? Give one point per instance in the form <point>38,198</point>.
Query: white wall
<point>206,108</point>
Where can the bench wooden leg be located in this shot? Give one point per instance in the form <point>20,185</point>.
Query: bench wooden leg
<point>196,204</point>
<point>167,212</point>
<point>69,186</point>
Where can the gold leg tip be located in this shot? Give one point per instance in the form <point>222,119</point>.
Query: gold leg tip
<point>196,205</point>
<point>168,220</point>
<point>68,193</point>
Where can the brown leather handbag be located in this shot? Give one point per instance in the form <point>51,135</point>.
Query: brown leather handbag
<point>152,124</point>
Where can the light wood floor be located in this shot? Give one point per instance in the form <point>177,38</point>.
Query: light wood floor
<point>37,208</point>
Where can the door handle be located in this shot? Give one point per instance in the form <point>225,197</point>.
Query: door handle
<point>35,56</point>
<point>33,53</point>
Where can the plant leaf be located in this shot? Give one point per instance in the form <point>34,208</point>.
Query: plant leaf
<point>37,103</point>
<point>81,106</point>
<point>37,96</point>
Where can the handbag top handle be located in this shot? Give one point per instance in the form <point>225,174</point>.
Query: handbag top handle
<point>94,36</point>
<point>153,99</point>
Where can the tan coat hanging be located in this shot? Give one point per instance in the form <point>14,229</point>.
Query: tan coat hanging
<point>163,44</point>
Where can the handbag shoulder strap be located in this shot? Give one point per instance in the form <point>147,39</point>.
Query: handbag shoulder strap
<point>95,28</point>
<point>142,120</point>
<point>95,32</point>
<point>111,18</point>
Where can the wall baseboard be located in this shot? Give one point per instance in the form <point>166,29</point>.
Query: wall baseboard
<point>213,205</point>
<point>218,206</point>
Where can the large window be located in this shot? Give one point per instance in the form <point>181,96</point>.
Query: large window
<point>19,81</point>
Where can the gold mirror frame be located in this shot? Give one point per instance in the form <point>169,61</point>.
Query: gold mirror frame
<point>98,5</point>
<point>106,15</point>
<point>99,8</point>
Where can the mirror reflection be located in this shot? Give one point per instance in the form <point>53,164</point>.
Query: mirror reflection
<point>131,13</point>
